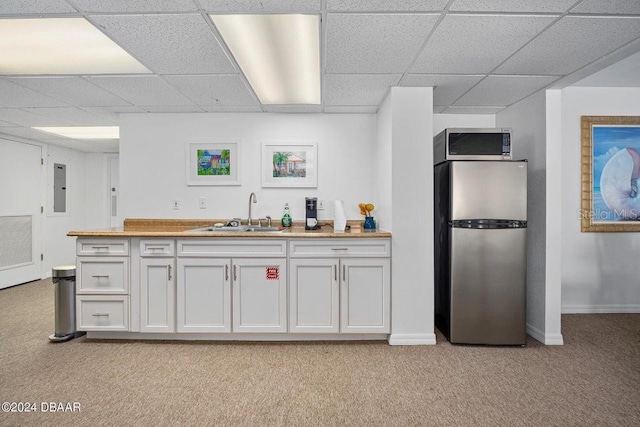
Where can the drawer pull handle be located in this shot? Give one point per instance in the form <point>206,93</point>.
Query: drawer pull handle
<point>100,276</point>
<point>157,248</point>
<point>235,272</point>
<point>344,273</point>
<point>169,271</point>
<point>226,272</point>
<point>339,249</point>
<point>335,272</point>
<point>100,314</point>
<point>99,247</point>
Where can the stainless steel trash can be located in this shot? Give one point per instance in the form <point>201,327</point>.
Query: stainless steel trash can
<point>64,282</point>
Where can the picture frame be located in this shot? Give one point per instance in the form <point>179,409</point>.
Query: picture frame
<point>213,163</point>
<point>610,173</point>
<point>292,165</point>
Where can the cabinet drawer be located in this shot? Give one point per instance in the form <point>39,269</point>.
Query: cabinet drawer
<point>109,247</point>
<point>152,247</point>
<point>102,313</point>
<point>343,248</point>
<point>232,248</point>
<point>102,275</point>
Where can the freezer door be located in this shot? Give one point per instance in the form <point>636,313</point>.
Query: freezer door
<point>488,190</point>
<point>488,281</point>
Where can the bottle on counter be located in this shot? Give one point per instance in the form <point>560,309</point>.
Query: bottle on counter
<point>286,217</point>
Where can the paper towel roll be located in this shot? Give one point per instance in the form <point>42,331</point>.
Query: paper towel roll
<point>339,217</point>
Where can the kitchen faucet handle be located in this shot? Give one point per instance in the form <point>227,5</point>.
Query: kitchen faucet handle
<point>259,222</point>
<point>268,221</point>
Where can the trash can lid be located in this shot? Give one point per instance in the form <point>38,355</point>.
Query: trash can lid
<point>63,271</point>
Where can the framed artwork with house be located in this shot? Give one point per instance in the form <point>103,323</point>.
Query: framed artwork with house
<point>290,165</point>
<point>610,173</point>
<point>213,163</point>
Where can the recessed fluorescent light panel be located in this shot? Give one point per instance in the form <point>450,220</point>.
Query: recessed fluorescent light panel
<point>279,54</point>
<point>83,132</point>
<point>61,46</point>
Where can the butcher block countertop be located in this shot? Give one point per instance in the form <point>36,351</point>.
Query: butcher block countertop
<point>140,227</point>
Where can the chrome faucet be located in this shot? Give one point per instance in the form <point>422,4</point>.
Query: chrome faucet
<point>252,198</point>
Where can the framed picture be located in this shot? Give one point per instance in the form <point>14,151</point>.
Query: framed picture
<point>213,163</point>
<point>290,165</point>
<point>610,173</point>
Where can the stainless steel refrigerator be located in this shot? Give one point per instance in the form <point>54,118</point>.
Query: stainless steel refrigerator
<point>480,251</point>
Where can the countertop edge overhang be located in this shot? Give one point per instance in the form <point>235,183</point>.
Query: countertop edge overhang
<point>180,228</point>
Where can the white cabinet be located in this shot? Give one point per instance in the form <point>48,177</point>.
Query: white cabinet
<point>259,295</point>
<point>314,296</point>
<point>340,285</point>
<point>157,295</point>
<point>203,300</point>
<point>102,284</point>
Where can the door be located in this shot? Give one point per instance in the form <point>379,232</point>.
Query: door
<point>157,295</point>
<point>203,295</point>
<point>488,281</point>
<point>259,295</point>
<point>365,297</point>
<point>20,213</point>
<point>314,296</point>
<point>488,190</point>
<point>115,220</point>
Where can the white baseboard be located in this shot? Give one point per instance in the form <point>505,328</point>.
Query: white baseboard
<point>412,339</point>
<point>544,338</point>
<point>601,308</point>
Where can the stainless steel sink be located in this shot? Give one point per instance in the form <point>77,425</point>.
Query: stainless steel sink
<point>240,229</point>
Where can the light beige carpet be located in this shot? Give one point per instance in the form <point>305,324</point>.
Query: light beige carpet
<point>594,379</point>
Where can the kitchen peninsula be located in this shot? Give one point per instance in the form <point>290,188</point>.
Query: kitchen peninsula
<point>165,279</point>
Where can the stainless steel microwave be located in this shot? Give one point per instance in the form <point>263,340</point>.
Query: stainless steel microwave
<point>472,144</point>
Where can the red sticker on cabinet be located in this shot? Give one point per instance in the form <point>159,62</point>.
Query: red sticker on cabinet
<point>273,273</point>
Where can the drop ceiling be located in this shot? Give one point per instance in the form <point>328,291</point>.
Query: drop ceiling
<point>480,57</point>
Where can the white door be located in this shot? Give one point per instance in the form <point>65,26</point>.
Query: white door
<point>114,192</point>
<point>20,214</point>
<point>259,295</point>
<point>203,299</point>
<point>365,298</point>
<point>314,295</point>
<point>157,294</point>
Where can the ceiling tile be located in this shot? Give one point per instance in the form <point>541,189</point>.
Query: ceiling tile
<point>73,90</point>
<point>135,6</point>
<point>293,108</point>
<point>171,108</point>
<point>374,43</point>
<point>488,41</point>
<point>357,89</point>
<point>11,7</point>
<point>71,116</point>
<point>5,124</point>
<point>18,96</point>
<point>498,91</point>
<point>471,110</point>
<point>168,44</point>
<point>386,6</point>
<point>552,6</point>
<point>631,7</point>
<point>213,90</point>
<point>437,109</point>
<point>231,108</point>
<point>446,88</point>
<point>358,109</point>
<point>27,132</point>
<point>572,43</point>
<point>26,118</point>
<point>112,113</point>
<point>261,6</point>
<point>142,90</point>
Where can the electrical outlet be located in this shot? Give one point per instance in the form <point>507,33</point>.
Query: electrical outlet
<point>176,204</point>
<point>320,204</point>
<point>202,202</point>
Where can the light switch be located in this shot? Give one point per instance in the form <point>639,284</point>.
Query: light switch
<point>202,202</point>
<point>176,204</point>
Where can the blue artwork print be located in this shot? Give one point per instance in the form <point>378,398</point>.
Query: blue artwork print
<point>616,173</point>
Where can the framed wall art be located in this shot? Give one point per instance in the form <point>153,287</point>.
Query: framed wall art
<point>290,165</point>
<point>610,173</point>
<point>215,163</point>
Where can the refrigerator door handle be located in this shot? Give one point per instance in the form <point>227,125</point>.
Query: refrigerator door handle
<point>488,223</point>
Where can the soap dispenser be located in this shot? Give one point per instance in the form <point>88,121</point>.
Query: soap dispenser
<point>286,217</point>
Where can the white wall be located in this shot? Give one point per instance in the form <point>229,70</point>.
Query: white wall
<point>599,270</point>
<point>528,120</point>
<point>443,121</point>
<point>153,165</point>
<point>382,177</point>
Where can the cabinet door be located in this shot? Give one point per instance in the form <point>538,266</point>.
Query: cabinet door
<point>203,295</point>
<point>157,295</point>
<point>365,297</point>
<point>314,295</point>
<point>259,295</point>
